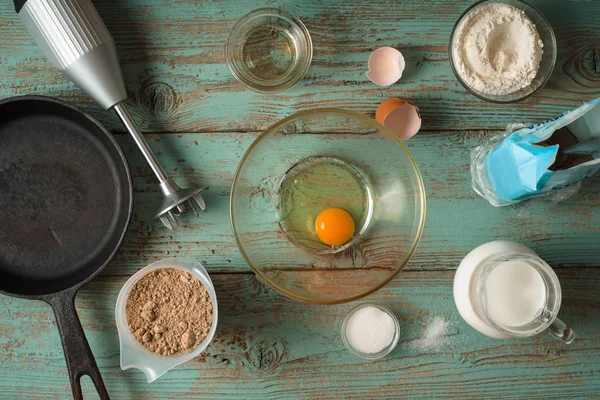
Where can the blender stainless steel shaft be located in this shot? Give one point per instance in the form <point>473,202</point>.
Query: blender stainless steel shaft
<point>73,37</point>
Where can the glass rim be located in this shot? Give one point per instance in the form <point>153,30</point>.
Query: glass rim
<point>277,13</point>
<point>371,356</point>
<point>497,99</point>
<point>176,262</point>
<point>358,234</point>
<point>420,194</point>
<point>546,273</point>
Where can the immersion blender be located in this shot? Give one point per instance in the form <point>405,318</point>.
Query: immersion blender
<point>73,37</point>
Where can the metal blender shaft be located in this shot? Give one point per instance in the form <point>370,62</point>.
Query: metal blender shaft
<point>141,142</point>
<point>176,201</point>
<point>74,38</point>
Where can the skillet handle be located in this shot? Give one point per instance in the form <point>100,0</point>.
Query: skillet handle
<point>80,360</point>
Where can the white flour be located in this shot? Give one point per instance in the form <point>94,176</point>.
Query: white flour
<point>497,49</point>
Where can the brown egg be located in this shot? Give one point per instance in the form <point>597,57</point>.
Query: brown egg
<point>401,116</point>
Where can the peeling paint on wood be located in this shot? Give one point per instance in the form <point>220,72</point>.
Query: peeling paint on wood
<point>172,55</point>
<point>458,220</point>
<point>200,122</point>
<point>268,346</point>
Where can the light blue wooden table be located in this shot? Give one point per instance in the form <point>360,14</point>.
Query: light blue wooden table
<point>200,121</point>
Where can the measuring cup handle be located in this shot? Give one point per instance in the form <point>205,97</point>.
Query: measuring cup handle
<point>80,360</point>
<point>562,331</point>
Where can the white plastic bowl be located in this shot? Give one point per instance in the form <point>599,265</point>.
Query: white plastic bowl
<point>133,354</point>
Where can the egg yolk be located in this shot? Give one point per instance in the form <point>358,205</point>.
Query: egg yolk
<point>335,226</point>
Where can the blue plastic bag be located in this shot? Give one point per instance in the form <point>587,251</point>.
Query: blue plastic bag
<point>515,166</point>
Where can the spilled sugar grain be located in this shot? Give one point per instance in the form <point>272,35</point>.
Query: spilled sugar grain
<point>434,336</point>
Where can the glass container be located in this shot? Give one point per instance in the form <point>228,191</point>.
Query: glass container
<point>319,159</point>
<point>504,290</point>
<point>546,65</point>
<point>269,50</point>
<point>385,351</point>
<point>546,318</point>
<point>133,354</point>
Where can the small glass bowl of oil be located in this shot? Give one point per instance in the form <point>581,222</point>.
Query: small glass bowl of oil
<point>269,50</point>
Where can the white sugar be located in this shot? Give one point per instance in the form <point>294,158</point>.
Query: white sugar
<point>434,336</point>
<point>370,330</point>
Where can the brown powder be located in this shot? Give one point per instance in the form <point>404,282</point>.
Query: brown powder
<point>169,311</point>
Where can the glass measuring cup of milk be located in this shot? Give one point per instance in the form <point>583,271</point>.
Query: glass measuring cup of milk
<point>504,290</point>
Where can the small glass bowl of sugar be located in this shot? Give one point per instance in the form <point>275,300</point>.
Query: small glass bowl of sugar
<point>370,331</point>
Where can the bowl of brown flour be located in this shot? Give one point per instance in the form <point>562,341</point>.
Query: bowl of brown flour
<point>166,315</point>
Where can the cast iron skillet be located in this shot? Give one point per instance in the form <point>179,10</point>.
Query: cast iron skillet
<point>65,203</point>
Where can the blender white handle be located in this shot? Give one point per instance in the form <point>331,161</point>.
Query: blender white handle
<point>562,331</point>
<point>74,38</point>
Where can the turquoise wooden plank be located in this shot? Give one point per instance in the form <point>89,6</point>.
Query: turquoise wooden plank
<point>457,219</point>
<point>174,67</point>
<point>267,346</point>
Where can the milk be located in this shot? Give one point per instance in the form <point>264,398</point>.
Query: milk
<point>504,290</point>
<point>515,294</point>
<point>514,291</point>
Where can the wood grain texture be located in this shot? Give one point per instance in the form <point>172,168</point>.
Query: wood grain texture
<point>565,234</point>
<point>201,122</point>
<point>175,71</point>
<point>267,346</point>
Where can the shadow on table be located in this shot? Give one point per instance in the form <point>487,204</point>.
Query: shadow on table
<point>572,21</point>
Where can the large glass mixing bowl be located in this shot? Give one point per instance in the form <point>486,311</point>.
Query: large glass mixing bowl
<point>319,159</point>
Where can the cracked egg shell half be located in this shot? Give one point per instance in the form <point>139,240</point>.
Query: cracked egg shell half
<point>401,116</point>
<point>386,66</point>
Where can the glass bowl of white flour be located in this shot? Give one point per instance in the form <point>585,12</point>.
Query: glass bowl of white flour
<point>502,51</point>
